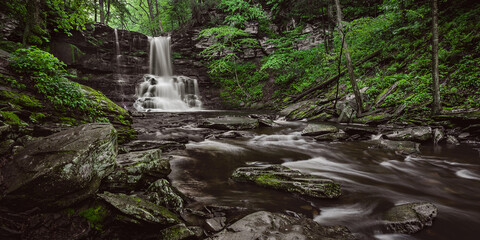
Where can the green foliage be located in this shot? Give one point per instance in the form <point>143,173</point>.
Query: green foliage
<point>50,79</point>
<point>12,118</point>
<point>240,12</point>
<point>36,117</point>
<point>95,216</point>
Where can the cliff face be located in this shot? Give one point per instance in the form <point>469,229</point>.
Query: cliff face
<point>92,56</point>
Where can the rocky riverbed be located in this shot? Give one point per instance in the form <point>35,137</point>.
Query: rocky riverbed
<point>224,175</point>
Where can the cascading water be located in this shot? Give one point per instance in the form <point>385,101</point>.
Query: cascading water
<point>120,80</point>
<point>160,91</point>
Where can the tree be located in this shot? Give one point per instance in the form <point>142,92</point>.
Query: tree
<point>436,107</point>
<point>356,92</point>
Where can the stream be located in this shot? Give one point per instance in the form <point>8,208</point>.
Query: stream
<point>373,180</point>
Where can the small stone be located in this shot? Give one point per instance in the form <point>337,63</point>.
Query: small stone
<point>452,140</point>
<point>410,218</point>
<point>216,224</point>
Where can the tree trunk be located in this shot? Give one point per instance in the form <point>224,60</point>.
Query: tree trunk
<point>437,107</point>
<point>330,25</point>
<point>107,16</point>
<point>102,13</point>
<point>356,92</point>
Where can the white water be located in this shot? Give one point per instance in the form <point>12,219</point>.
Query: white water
<point>120,78</point>
<point>160,91</point>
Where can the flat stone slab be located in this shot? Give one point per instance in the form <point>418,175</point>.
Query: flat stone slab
<point>267,225</point>
<point>142,145</point>
<point>417,134</point>
<point>285,179</point>
<point>315,129</point>
<point>138,211</point>
<point>410,218</point>
<point>230,123</point>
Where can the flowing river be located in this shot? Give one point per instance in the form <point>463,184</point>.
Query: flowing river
<point>373,180</point>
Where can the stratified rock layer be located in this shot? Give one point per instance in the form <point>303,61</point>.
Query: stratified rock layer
<point>283,178</point>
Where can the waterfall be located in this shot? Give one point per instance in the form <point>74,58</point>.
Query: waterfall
<point>160,91</point>
<point>120,80</point>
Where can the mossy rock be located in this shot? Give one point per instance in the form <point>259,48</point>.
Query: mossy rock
<point>137,210</point>
<point>176,232</point>
<point>285,179</point>
<point>21,99</point>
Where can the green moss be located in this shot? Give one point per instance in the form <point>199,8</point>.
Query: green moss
<point>268,180</point>
<point>70,121</point>
<point>20,99</point>
<point>95,216</point>
<point>12,119</point>
<point>36,117</point>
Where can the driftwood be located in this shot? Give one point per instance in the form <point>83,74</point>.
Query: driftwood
<point>333,79</point>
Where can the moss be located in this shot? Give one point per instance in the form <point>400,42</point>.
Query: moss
<point>20,99</point>
<point>268,180</point>
<point>12,119</point>
<point>95,216</point>
<point>70,121</point>
<point>10,46</point>
<point>36,117</point>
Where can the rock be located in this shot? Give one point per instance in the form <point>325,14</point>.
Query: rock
<point>55,226</point>
<point>6,146</point>
<point>340,135</point>
<point>5,129</point>
<point>162,193</point>
<point>438,135</point>
<point>139,211</point>
<point>141,145</point>
<point>137,170</point>
<point>361,130</point>
<point>215,224</point>
<point>452,140</point>
<point>374,118</point>
<point>230,123</point>
<point>417,134</point>
<point>283,178</point>
<point>267,225</point>
<point>401,147</point>
<point>315,129</point>
<point>61,169</point>
<point>410,218</point>
<point>464,135</point>
<point>267,123</point>
<point>176,232</point>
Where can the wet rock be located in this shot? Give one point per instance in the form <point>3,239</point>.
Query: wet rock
<point>61,169</point>
<point>283,178</point>
<point>361,130</point>
<point>139,211</point>
<point>163,193</point>
<point>315,129</point>
<point>141,145</point>
<point>137,170</point>
<point>417,134</point>
<point>215,224</point>
<point>230,123</point>
<point>267,123</point>
<point>410,218</point>
<point>5,129</point>
<point>229,134</point>
<point>438,135</point>
<point>338,136</point>
<point>452,140</point>
<point>176,232</point>
<point>266,225</point>
<point>464,135</point>
<point>401,147</point>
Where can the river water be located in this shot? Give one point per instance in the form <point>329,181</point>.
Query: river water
<point>373,180</point>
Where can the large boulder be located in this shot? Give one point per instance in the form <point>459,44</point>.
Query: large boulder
<point>139,211</point>
<point>417,134</point>
<point>137,170</point>
<point>230,123</point>
<point>285,179</point>
<point>410,218</point>
<point>61,169</point>
<point>400,147</point>
<point>267,225</point>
